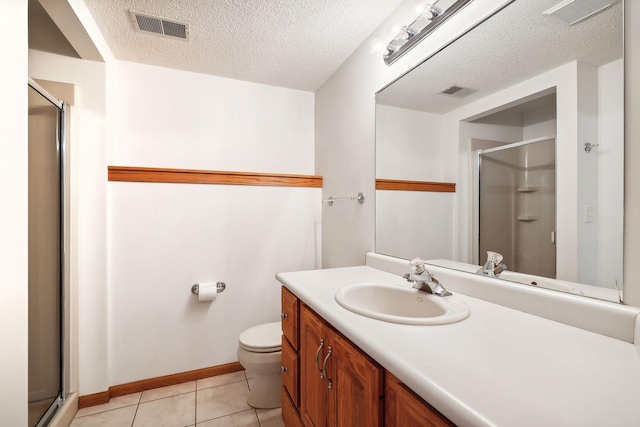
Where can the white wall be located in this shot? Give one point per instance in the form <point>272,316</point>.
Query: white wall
<point>171,118</point>
<point>165,237</point>
<point>14,214</point>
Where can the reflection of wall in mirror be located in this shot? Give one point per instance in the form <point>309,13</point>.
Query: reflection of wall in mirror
<point>610,155</point>
<point>411,223</point>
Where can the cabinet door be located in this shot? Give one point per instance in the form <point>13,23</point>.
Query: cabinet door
<point>355,396</point>
<point>313,388</point>
<point>290,416</point>
<point>290,307</point>
<point>403,408</point>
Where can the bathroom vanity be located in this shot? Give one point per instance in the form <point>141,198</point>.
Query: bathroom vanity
<point>512,361</point>
<point>327,380</point>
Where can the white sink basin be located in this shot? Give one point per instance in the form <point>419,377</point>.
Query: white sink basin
<point>398,304</point>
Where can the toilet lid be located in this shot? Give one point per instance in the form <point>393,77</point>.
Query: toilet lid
<point>263,338</point>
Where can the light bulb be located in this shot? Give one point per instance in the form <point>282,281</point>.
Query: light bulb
<point>377,47</point>
<point>430,12</point>
<point>394,29</point>
<point>420,6</point>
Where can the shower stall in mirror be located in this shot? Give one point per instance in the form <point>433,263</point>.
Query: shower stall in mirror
<point>46,254</point>
<point>517,205</point>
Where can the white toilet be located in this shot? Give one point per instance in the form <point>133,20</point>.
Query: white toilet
<point>260,352</point>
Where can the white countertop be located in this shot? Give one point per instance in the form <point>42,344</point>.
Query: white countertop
<point>498,367</point>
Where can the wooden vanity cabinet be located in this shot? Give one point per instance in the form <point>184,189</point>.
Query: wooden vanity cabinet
<point>328,381</point>
<point>340,385</point>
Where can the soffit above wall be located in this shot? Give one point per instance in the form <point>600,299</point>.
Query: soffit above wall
<point>287,43</point>
<point>45,35</point>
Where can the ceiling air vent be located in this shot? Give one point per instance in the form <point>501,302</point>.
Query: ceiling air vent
<point>161,26</point>
<point>457,91</point>
<point>572,11</point>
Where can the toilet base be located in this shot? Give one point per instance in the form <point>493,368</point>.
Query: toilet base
<point>266,385</point>
<point>265,391</point>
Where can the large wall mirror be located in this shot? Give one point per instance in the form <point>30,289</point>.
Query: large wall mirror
<point>511,140</point>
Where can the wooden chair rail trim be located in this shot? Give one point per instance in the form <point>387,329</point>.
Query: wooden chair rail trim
<point>402,185</point>
<point>148,384</point>
<point>194,176</point>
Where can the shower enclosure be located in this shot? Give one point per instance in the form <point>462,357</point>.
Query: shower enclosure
<point>517,205</point>
<point>46,254</point>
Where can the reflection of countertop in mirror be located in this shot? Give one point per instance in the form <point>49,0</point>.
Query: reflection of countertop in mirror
<point>500,366</point>
<point>597,292</point>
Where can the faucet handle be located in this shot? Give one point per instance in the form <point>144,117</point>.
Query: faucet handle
<point>417,265</point>
<point>494,257</point>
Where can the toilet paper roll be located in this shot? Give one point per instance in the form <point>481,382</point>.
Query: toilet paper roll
<point>207,291</point>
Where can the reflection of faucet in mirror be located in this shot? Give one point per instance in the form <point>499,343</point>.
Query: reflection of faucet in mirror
<point>492,267</point>
<point>423,280</point>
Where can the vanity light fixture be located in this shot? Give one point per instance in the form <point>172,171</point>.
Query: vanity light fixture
<point>430,17</point>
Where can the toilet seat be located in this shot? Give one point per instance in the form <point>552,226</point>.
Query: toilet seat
<point>265,338</point>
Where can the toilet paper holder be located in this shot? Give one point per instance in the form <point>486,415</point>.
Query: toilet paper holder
<point>220,287</point>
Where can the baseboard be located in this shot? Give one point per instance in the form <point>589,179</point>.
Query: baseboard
<point>93,399</point>
<point>151,383</point>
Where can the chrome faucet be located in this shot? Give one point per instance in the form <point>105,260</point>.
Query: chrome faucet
<point>423,280</point>
<point>492,267</point>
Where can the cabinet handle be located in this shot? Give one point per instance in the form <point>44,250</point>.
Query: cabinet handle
<point>324,366</point>
<point>317,354</point>
<point>284,369</point>
<point>283,315</point>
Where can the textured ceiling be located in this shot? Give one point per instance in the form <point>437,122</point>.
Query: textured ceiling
<point>514,45</point>
<point>290,43</point>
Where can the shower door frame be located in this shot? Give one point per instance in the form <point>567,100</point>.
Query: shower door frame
<point>63,249</point>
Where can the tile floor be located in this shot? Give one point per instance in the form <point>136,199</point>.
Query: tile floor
<point>212,402</point>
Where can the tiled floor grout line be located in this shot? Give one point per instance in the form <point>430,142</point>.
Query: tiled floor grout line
<point>133,420</point>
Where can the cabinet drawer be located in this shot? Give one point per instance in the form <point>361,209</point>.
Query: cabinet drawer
<point>290,371</point>
<point>290,308</point>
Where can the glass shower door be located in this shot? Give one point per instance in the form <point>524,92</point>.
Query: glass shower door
<point>45,267</point>
<point>518,206</point>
